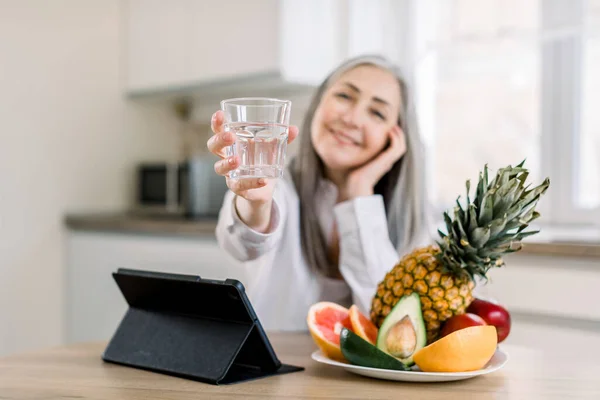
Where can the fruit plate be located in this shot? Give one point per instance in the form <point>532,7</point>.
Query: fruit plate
<point>497,361</point>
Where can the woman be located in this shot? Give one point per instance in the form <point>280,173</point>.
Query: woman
<point>351,202</point>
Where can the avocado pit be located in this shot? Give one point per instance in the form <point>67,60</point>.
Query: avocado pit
<point>401,340</point>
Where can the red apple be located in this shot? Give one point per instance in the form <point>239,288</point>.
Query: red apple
<point>493,314</point>
<point>460,321</point>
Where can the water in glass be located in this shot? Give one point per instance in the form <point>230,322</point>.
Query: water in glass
<point>261,148</point>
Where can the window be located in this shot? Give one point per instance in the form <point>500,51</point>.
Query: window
<point>588,185</point>
<point>499,81</point>
<point>570,133</point>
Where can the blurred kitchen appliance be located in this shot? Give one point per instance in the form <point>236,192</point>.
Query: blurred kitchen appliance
<point>191,188</point>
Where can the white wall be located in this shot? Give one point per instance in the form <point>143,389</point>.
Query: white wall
<point>68,142</point>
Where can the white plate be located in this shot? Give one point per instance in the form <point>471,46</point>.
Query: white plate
<point>498,360</point>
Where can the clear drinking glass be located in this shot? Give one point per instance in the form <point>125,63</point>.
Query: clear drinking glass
<point>261,128</point>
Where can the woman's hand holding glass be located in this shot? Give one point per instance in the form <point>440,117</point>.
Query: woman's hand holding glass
<point>254,195</point>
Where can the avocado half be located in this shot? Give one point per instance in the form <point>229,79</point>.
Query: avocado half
<point>402,332</point>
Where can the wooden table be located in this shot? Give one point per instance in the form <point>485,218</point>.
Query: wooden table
<point>77,372</point>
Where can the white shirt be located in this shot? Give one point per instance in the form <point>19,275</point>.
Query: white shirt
<point>280,283</point>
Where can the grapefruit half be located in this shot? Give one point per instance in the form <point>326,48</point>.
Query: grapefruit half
<point>325,321</point>
<point>362,326</point>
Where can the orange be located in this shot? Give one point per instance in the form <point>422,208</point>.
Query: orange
<point>325,322</point>
<point>467,349</point>
<point>362,326</point>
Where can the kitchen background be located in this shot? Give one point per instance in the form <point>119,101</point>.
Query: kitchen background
<point>91,90</point>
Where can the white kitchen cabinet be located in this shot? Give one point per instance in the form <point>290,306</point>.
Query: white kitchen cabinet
<point>238,47</point>
<point>177,43</point>
<point>94,304</point>
<point>156,46</point>
<point>552,287</point>
<point>232,38</point>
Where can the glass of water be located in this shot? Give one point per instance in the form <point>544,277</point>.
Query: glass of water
<point>261,128</point>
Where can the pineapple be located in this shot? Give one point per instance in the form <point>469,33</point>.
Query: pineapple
<point>477,237</point>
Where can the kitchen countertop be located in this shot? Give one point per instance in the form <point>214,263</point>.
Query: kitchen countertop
<point>550,241</point>
<point>139,223</point>
<point>77,371</point>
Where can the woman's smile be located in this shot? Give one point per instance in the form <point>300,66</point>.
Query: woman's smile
<point>343,138</point>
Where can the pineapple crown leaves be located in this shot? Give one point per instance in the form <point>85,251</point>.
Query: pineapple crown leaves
<point>491,224</point>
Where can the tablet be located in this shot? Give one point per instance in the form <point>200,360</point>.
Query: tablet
<point>191,327</point>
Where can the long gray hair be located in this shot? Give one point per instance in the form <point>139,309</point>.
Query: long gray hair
<point>402,187</point>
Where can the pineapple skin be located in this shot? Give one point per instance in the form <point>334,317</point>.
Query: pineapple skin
<point>443,295</point>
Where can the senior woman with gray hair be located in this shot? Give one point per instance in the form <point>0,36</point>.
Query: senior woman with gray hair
<point>350,202</point>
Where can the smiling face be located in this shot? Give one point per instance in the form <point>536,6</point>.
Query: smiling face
<point>354,119</point>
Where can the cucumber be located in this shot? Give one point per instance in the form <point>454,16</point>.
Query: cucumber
<point>360,352</point>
